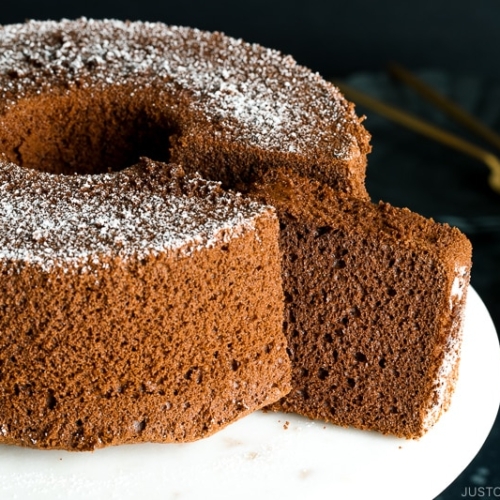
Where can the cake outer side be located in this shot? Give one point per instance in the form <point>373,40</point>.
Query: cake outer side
<point>112,351</point>
<point>374,302</point>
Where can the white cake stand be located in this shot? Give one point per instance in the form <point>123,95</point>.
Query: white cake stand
<point>269,455</point>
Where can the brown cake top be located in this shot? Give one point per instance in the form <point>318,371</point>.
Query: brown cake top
<point>73,220</point>
<point>261,97</point>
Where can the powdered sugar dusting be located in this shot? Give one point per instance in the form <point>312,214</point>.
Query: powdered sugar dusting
<point>263,98</point>
<point>74,221</point>
<point>444,380</point>
<point>459,285</point>
<point>443,383</point>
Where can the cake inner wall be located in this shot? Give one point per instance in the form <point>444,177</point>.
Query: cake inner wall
<point>85,132</point>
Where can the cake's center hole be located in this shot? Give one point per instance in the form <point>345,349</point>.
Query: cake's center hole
<point>85,132</point>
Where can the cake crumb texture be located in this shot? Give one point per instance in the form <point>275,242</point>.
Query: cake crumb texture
<point>374,302</point>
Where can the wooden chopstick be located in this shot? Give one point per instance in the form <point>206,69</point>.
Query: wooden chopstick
<point>444,104</point>
<point>428,130</point>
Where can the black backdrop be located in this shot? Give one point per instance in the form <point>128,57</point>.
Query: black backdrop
<point>339,38</point>
<point>333,37</point>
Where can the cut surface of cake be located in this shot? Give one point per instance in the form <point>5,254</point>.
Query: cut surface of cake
<point>374,301</point>
<point>141,305</point>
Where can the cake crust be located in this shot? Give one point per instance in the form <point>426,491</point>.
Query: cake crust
<point>165,331</point>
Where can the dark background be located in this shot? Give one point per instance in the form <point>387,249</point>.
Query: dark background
<point>453,43</point>
<point>333,37</point>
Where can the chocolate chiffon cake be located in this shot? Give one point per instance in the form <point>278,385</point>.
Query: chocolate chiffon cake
<point>140,305</point>
<point>374,302</point>
<point>144,300</point>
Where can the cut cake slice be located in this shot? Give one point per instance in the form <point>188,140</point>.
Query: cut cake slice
<point>374,301</point>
